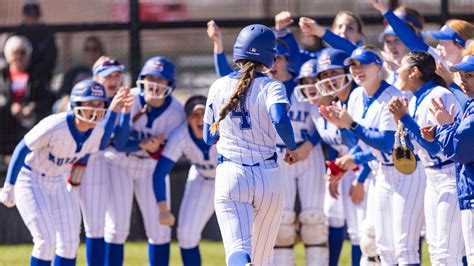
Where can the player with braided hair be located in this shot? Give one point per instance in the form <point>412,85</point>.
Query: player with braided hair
<point>240,110</point>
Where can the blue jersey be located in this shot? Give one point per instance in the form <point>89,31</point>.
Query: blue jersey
<point>458,145</point>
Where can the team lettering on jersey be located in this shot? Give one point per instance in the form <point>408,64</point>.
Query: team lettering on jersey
<point>298,116</point>
<point>61,161</point>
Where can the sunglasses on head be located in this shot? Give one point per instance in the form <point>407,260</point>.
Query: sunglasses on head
<point>111,62</point>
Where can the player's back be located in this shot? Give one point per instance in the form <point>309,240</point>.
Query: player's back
<point>247,135</point>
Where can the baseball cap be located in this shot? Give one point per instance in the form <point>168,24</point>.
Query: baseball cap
<point>447,33</point>
<point>364,56</point>
<point>387,31</point>
<point>107,67</point>
<point>466,65</point>
<point>194,103</point>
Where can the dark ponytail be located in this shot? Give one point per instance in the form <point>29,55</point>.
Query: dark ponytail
<point>426,64</point>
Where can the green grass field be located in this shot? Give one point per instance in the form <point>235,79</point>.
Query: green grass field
<point>136,254</point>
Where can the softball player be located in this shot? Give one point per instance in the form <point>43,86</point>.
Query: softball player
<point>239,112</point>
<point>155,114</point>
<point>35,178</point>
<point>443,220</point>
<point>455,137</point>
<point>306,178</point>
<point>328,80</point>
<point>197,205</point>
<point>398,207</point>
<point>93,190</point>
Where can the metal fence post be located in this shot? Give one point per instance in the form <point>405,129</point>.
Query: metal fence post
<point>135,49</point>
<point>444,9</point>
<point>393,4</point>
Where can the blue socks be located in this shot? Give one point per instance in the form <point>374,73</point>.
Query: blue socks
<point>95,251</point>
<point>356,255</point>
<point>159,255</point>
<point>113,254</point>
<point>336,239</point>
<point>238,258</point>
<point>191,256</point>
<point>60,261</point>
<point>464,261</point>
<point>37,262</point>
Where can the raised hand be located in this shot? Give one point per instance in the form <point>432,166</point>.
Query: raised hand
<point>380,6</point>
<point>398,107</point>
<point>442,116</point>
<point>337,116</point>
<point>311,27</point>
<point>283,20</point>
<point>215,34</point>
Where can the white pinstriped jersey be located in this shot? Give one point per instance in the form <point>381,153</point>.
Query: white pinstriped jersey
<point>168,118</point>
<point>247,135</point>
<point>299,115</point>
<point>423,117</point>
<point>182,142</point>
<point>377,116</point>
<point>55,144</point>
<point>329,133</point>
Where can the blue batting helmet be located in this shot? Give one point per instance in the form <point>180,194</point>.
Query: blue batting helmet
<point>330,59</point>
<point>308,70</point>
<point>87,90</point>
<point>257,43</point>
<point>159,66</point>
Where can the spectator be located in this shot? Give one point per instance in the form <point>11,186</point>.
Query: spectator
<point>43,58</point>
<point>93,49</point>
<point>24,99</point>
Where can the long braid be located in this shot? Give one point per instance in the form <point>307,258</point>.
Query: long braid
<point>248,70</point>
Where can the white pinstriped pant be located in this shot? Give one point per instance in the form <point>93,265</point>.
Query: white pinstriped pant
<point>94,194</point>
<point>398,214</point>
<point>196,208</point>
<point>306,177</point>
<point>248,203</point>
<point>50,213</point>
<point>128,180</point>
<point>442,216</point>
<point>467,217</point>
<point>342,210</point>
